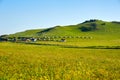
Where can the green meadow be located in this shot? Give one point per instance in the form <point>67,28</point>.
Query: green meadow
<point>78,58</point>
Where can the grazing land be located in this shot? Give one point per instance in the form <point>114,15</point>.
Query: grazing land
<point>91,51</point>
<point>50,62</point>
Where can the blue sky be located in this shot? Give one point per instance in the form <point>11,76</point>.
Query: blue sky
<point>20,15</point>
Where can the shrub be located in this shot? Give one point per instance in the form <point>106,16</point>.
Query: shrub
<point>92,26</point>
<point>103,24</point>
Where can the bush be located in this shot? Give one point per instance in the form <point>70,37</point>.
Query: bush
<point>92,26</point>
<point>91,20</point>
<point>103,24</point>
<point>84,28</point>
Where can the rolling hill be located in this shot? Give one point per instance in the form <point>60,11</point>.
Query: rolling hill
<point>96,28</point>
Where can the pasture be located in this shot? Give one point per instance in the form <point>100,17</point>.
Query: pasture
<point>71,60</point>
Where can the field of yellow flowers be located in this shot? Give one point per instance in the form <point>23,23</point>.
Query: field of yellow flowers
<point>20,61</point>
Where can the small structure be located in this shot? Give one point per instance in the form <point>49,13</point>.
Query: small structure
<point>33,39</point>
<point>14,39</point>
<point>27,40</point>
<point>3,39</point>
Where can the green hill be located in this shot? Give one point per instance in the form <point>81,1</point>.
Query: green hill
<point>94,28</point>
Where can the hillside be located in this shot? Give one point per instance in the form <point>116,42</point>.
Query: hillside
<point>95,28</point>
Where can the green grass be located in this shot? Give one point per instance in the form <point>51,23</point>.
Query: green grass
<point>27,33</point>
<point>45,62</point>
<point>95,58</point>
<point>109,30</point>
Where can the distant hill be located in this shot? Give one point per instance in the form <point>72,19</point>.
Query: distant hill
<point>96,28</point>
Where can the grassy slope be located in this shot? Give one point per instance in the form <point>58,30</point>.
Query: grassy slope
<point>106,35</point>
<point>109,30</point>
<point>27,33</point>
